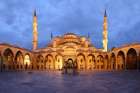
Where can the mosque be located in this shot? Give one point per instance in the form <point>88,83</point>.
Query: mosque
<point>72,50</point>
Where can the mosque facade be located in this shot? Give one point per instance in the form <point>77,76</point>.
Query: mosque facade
<point>70,48</point>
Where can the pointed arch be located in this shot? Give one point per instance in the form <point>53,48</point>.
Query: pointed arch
<point>59,62</point>
<point>113,61</point>
<point>8,56</point>
<point>81,61</point>
<point>91,61</point>
<point>49,61</point>
<point>40,59</point>
<point>120,60</point>
<point>100,62</point>
<point>40,62</point>
<point>19,58</point>
<point>27,59</point>
<point>131,62</point>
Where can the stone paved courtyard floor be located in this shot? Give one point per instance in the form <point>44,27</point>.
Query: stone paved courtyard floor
<point>85,82</point>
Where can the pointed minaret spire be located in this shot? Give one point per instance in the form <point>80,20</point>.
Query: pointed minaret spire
<point>35,32</point>
<point>34,12</point>
<point>51,35</point>
<point>105,33</point>
<point>105,14</point>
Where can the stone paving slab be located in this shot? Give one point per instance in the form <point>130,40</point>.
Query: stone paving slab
<point>84,82</point>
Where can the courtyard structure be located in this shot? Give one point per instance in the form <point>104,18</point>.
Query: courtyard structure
<point>79,49</point>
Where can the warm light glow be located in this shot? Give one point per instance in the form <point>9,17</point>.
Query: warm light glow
<point>83,39</point>
<point>69,51</point>
<point>105,35</point>
<point>27,60</point>
<point>35,33</point>
<point>59,62</point>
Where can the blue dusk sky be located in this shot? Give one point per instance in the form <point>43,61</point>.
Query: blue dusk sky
<point>76,16</point>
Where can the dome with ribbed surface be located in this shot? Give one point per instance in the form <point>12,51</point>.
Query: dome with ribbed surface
<point>70,35</point>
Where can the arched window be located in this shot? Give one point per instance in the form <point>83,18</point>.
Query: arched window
<point>27,59</point>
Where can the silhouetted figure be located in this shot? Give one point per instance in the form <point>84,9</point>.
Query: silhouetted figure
<point>69,67</point>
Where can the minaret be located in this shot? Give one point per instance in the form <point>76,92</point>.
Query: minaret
<point>35,32</point>
<point>105,33</point>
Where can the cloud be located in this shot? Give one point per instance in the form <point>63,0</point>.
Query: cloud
<point>62,16</point>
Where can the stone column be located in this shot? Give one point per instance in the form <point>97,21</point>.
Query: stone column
<point>85,63</point>
<point>116,63</point>
<point>54,62</point>
<point>137,62</point>
<point>125,62</point>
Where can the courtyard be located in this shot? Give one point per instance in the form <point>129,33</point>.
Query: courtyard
<point>84,82</point>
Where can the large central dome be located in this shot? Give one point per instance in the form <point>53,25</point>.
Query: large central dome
<point>69,45</point>
<point>69,39</point>
<point>70,35</point>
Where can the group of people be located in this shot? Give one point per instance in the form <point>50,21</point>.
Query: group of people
<point>70,67</point>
